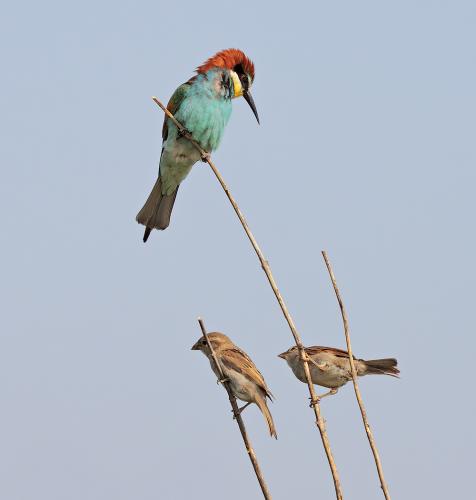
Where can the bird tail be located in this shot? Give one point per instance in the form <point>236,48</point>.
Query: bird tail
<point>261,402</point>
<point>387,366</point>
<point>155,214</point>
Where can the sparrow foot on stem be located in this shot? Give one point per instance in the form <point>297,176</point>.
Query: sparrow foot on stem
<point>314,402</point>
<point>205,157</point>
<point>332,392</point>
<point>239,410</point>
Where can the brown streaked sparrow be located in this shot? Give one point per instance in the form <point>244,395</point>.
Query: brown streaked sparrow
<point>330,367</point>
<point>245,380</point>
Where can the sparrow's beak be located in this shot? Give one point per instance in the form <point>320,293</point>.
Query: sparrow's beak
<point>282,355</point>
<point>249,99</point>
<point>195,347</point>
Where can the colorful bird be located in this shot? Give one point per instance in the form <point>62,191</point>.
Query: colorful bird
<point>330,367</point>
<point>203,106</point>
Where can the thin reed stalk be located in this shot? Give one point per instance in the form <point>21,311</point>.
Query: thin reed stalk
<point>370,436</point>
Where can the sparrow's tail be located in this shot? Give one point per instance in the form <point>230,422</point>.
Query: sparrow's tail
<point>155,214</point>
<point>386,366</point>
<point>261,402</point>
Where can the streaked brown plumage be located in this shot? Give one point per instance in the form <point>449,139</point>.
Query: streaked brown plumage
<point>330,367</point>
<point>246,381</point>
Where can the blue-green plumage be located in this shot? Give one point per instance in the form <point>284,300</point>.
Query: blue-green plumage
<point>203,107</point>
<point>204,110</point>
<point>206,107</point>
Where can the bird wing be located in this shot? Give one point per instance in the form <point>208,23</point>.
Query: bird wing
<point>174,104</point>
<point>316,349</point>
<point>236,359</point>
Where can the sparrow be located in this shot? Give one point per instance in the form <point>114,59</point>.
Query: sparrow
<point>330,367</point>
<point>245,380</point>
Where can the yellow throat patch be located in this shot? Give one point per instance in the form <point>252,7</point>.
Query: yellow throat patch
<point>236,84</point>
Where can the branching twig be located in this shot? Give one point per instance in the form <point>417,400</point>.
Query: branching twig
<point>266,268</point>
<point>237,415</point>
<point>383,484</point>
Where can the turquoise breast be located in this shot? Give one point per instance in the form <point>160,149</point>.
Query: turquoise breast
<point>206,109</point>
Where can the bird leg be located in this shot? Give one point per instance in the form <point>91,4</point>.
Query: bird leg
<point>222,380</point>
<point>314,402</point>
<point>320,396</point>
<point>330,393</point>
<point>240,410</point>
<point>182,132</point>
<point>205,157</point>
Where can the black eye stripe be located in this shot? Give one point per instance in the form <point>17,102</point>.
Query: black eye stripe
<point>244,81</point>
<point>239,69</point>
<point>226,84</point>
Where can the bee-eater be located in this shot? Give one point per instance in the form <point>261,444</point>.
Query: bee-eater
<point>203,106</point>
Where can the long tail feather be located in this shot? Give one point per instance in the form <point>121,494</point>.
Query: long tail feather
<point>156,212</point>
<point>261,402</point>
<point>387,366</point>
<point>147,232</point>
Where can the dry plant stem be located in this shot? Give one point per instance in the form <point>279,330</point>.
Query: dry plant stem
<point>236,413</point>
<point>266,268</point>
<point>370,436</point>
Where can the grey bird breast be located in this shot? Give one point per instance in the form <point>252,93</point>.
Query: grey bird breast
<point>325,374</point>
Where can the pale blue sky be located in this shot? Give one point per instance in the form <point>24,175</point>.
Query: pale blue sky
<point>366,148</point>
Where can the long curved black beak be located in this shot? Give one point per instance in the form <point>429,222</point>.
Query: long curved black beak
<point>249,99</point>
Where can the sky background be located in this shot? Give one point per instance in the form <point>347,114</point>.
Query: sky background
<point>366,149</point>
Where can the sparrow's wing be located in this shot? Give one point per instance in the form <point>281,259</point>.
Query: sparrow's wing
<point>316,349</point>
<point>236,359</point>
<point>174,104</point>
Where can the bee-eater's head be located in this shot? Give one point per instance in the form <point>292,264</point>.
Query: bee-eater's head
<point>242,72</point>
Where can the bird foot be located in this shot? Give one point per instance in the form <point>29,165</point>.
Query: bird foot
<point>205,157</point>
<point>320,396</point>
<point>332,392</point>
<point>239,410</point>
<point>182,132</point>
<point>314,402</point>
<point>223,380</point>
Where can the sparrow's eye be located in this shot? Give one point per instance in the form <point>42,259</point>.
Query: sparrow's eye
<point>204,342</point>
